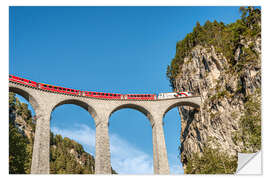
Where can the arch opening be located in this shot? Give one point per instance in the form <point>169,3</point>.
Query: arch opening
<point>26,95</point>
<point>130,141</point>
<point>178,104</point>
<point>72,140</point>
<point>134,107</point>
<point>79,103</point>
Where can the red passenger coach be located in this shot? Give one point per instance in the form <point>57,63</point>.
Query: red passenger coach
<point>141,96</point>
<point>101,95</point>
<point>59,89</point>
<point>22,81</point>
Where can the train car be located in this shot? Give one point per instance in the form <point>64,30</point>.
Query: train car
<point>23,81</point>
<point>59,89</point>
<point>141,96</point>
<point>173,95</point>
<point>102,95</point>
<point>184,94</point>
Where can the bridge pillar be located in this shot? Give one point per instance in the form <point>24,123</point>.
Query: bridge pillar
<point>103,154</point>
<point>161,165</point>
<point>41,149</point>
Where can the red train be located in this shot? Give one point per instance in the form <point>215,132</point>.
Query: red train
<point>141,96</point>
<point>23,81</point>
<point>63,90</point>
<point>102,95</point>
<point>59,89</point>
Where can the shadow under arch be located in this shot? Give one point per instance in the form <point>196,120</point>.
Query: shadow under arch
<point>26,95</point>
<point>135,107</point>
<point>82,104</point>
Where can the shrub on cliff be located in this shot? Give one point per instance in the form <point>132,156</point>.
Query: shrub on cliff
<point>211,161</point>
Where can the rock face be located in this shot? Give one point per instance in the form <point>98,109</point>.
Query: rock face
<point>224,90</point>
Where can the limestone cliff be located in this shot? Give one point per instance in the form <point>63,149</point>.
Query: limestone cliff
<point>228,79</point>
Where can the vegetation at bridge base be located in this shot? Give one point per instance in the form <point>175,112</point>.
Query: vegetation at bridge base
<point>225,38</point>
<point>211,161</point>
<point>66,155</point>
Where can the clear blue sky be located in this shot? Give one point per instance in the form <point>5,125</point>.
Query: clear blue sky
<point>110,49</point>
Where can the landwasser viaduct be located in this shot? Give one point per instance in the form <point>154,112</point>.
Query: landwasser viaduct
<point>44,102</point>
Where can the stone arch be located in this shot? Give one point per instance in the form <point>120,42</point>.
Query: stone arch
<point>77,102</point>
<point>181,103</point>
<point>139,108</point>
<point>25,94</point>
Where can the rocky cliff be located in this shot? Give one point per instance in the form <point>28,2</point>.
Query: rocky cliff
<point>222,64</point>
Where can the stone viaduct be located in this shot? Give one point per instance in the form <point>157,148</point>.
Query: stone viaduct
<point>44,102</point>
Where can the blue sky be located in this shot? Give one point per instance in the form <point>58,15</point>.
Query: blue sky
<point>109,49</point>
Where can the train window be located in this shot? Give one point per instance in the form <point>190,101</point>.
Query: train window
<point>68,89</point>
<point>64,89</point>
<point>94,93</point>
<point>55,87</point>
<point>50,86</point>
<point>9,76</point>
<point>45,86</point>
<point>72,90</point>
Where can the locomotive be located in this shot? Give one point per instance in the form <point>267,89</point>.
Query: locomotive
<point>102,95</point>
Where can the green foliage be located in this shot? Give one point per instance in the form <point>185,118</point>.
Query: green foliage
<point>20,147</point>
<point>18,155</point>
<point>211,162</point>
<point>225,38</point>
<point>69,157</point>
<point>250,124</point>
